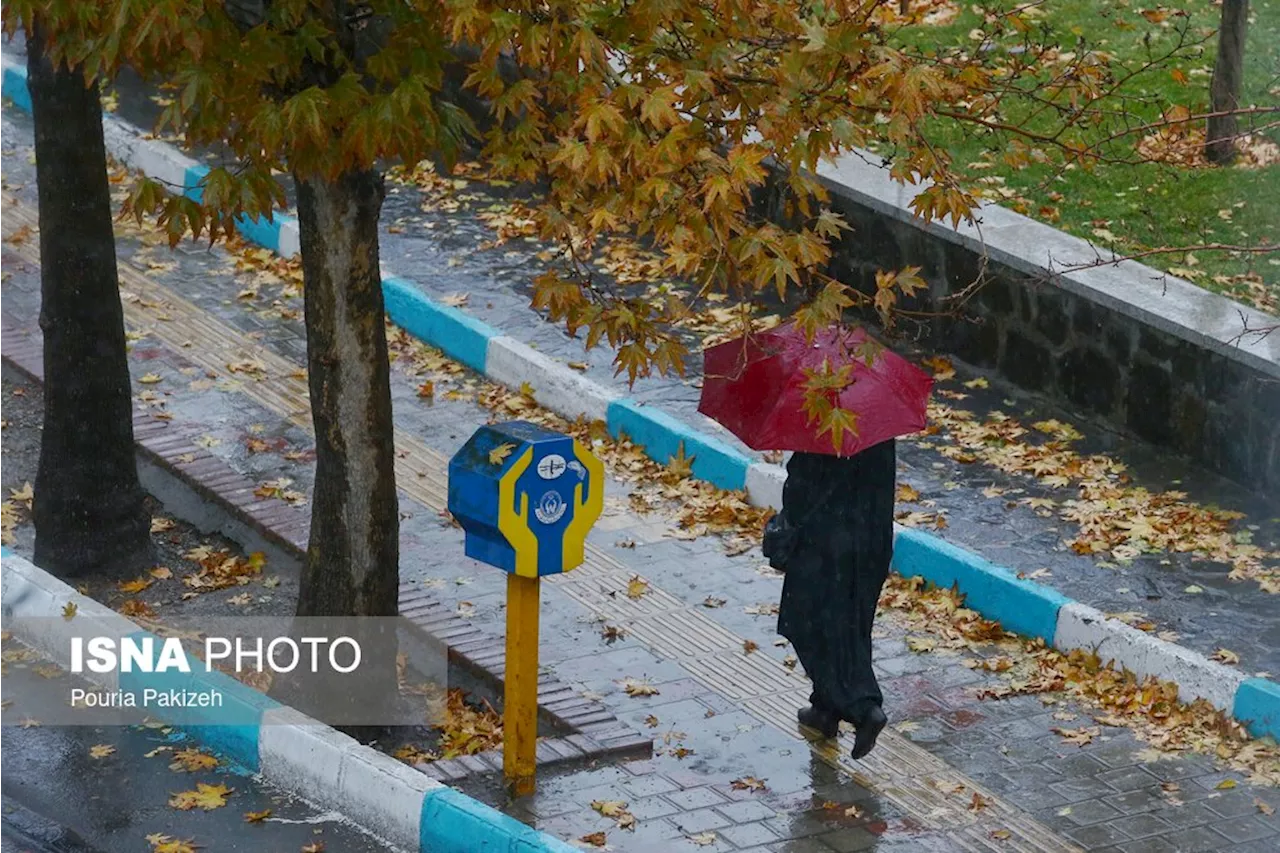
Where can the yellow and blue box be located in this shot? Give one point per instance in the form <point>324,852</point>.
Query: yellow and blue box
<point>526,497</point>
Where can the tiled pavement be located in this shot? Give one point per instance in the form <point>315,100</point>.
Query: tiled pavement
<point>729,711</point>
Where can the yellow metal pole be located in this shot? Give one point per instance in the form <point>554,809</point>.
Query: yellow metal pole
<point>520,701</point>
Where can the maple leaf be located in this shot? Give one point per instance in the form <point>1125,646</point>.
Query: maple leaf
<point>921,644</point>
<point>101,750</point>
<point>257,817</point>
<point>206,797</point>
<point>637,587</point>
<point>166,844</point>
<point>595,839</point>
<point>161,573</point>
<point>616,809</point>
<point>313,847</point>
<point>941,367</point>
<point>501,452</point>
<point>749,646</point>
<point>1001,834</point>
<point>150,379</point>
<point>1225,656</point>
<point>24,495</point>
<point>455,300</point>
<point>133,586</point>
<point>427,390</point>
<point>704,839</point>
<point>634,687</point>
<point>1264,807</point>
<point>748,783</point>
<point>906,494</point>
<point>69,610</point>
<point>711,602</point>
<point>160,525</point>
<point>679,466</point>
<point>1079,737</point>
<point>651,721</point>
<point>191,760</point>
<point>978,802</point>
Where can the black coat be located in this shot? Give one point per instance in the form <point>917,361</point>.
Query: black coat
<point>843,509</point>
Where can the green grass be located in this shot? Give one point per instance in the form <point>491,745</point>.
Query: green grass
<point>1147,206</point>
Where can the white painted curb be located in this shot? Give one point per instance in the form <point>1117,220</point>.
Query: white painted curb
<point>557,387</point>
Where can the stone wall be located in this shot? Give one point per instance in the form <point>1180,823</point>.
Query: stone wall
<point>1153,355</point>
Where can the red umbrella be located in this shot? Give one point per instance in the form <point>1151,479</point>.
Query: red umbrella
<point>755,387</point>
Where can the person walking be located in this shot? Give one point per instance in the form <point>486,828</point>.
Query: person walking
<point>837,514</point>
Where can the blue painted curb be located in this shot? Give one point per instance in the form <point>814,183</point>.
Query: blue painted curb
<point>1258,705</point>
<point>455,823</point>
<point>261,231</point>
<point>662,437</point>
<point>1023,606</point>
<point>460,336</point>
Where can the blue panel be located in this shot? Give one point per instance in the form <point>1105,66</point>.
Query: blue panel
<point>1021,606</point>
<point>15,87</point>
<point>231,728</point>
<point>5,552</point>
<point>194,181</point>
<point>454,823</point>
<point>661,436</point>
<point>460,336</point>
<point>1258,704</point>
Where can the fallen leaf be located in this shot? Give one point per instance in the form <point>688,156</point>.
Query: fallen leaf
<point>978,802</point>
<point>160,525</point>
<point>1265,807</point>
<point>595,839</point>
<point>166,844</point>
<point>501,452</point>
<point>191,760</point>
<point>749,646</point>
<point>1001,834</point>
<point>133,586</point>
<point>637,587</point>
<point>635,687</point>
<point>711,602</point>
<point>150,379</point>
<point>1079,737</point>
<point>313,847</point>
<point>257,817</point>
<point>904,493</point>
<point>455,300</point>
<point>704,839</point>
<point>921,644</point>
<point>69,610</point>
<point>1226,785</point>
<point>207,797</point>
<point>1225,656</point>
<point>748,783</point>
<point>427,390</point>
<point>616,809</point>
<point>101,750</point>
<point>651,721</point>
<point>941,367</point>
<point>980,382</point>
<point>161,573</point>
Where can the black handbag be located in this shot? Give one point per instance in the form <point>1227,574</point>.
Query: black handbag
<point>779,541</point>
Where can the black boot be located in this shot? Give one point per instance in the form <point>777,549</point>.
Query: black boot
<point>866,731</point>
<point>819,719</point>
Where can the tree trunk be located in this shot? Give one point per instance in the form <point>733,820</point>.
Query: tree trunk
<point>1228,75</point>
<point>352,566</point>
<point>353,558</point>
<point>89,509</point>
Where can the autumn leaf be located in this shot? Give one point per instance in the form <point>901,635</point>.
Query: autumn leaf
<point>941,367</point>
<point>1264,807</point>
<point>133,586</point>
<point>1225,656</point>
<point>595,839</point>
<point>161,573</point>
<point>1225,785</point>
<point>704,839</point>
<point>904,493</point>
<point>257,817</point>
<point>166,844</point>
<point>69,610</point>
<point>427,391</point>
<point>634,687</point>
<point>1001,834</point>
<point>637,587</point>
<point>616,809</point>
<point>455,300</point>
<point>651,721</point>
<point>160,525</point>
<point>1080,737</point>
<point>921,644</point>
<point>748,783</point>
<point>980,382</point>
<point>978,802</point>
<point>191,760</point>
<point>749,646</point>
<point>711,602</point>
<point>679,466</point>
<point>150,379</point>
<point>501,452</point>
<point>313,847</point>
<point>101,750</point>
<point>206,797</point>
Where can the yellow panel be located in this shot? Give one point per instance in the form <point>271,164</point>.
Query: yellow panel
<point>585,513</point>
<point>515,525</point>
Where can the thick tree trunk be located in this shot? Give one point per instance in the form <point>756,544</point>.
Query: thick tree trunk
<point>89,509</point>
<point>352,563</point>
<point>353,558</point>
<point>1228,75</point>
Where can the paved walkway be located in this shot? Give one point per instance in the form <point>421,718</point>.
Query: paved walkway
<point>955,773</point>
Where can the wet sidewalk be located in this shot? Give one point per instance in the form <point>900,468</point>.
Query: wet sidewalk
<point>1106,520</point>
<point>674,635</point>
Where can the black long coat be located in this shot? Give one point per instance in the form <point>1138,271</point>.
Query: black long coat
<point>844,511</point>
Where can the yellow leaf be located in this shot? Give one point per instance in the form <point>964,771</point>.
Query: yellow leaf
<point>941,367</point>
<point>207,797</point>
<point>906,494</point>
<point>427,390</point>
<point>704,839</point>
<point>637,587</point>
<point>69,611</point>
<point>165,844</point>
<point>161,573</point>
<point>133,586</point>
<point>1001,834</point>
<point>748,783</point>
<point>980,382</point>
<point>921,644</point>
<point>191,760</point>
<point>680,466</point>
<point>1225,656</point>
<point>150,379</point>
<point>634,687</point>
<point>501,452</point>
<point>1226,785</point>
<point>595,839</point>
<point>101,750</point>
<point>455,300</point>
<point>1264,807</point>
<point>257,817</point>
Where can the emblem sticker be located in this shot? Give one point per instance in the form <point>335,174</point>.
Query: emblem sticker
<point>576,467</point>
<point>550,508</point>
<point>551,466</point>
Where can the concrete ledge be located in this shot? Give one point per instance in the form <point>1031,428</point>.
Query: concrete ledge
<point>1022,606</point>
<point>662,436</point>
<point>764,484</point>
<point>557,387</point>
<point>1083,627</point>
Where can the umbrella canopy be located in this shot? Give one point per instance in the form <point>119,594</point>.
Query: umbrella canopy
<point>755,388</point>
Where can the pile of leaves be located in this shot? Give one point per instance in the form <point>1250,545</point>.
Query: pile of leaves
<point>219,569</point>
<point>15,511</point>
<point>1116,518</point>
<point>1180,142</point>
<point>468,728</point>
<point>1148,707</point>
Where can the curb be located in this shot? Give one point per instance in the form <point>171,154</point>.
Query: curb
<point>993,591</point>
<point>395,802</point>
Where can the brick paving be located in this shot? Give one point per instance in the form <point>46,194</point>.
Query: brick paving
<point>720,714</point>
